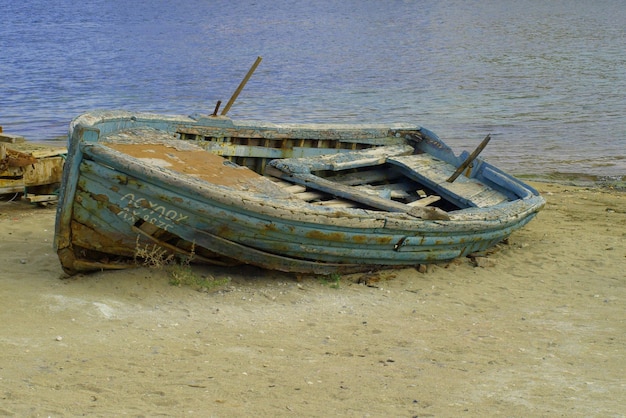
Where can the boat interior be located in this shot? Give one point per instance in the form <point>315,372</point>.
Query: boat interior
<point>326,172</point>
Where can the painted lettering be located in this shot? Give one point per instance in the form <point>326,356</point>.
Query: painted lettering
<point>149,211</point>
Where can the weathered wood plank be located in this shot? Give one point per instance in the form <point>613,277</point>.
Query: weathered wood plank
<point>434,174</point>
<point>343,133</point>
<point>366,177</point>
<point>399,190</point>
<point>309,196</point>
<point>373,201</point>
<point>41,198</point>
<point>52,152</point>
<point>292,188</point>
<point>337,203</point>
<point>425,201</point>
<point>342,161</point>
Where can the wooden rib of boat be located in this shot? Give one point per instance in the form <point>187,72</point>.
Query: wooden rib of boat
<point>307,198</point>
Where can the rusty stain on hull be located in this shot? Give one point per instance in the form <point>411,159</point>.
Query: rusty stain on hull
<point>326,236</point>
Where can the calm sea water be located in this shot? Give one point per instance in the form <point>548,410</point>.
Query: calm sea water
<point>546,78</point>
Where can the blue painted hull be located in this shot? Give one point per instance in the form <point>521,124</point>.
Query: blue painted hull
<point>113,203</point>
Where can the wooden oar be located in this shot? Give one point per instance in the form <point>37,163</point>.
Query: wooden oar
<point>469,159</point>
<point>241,85</point>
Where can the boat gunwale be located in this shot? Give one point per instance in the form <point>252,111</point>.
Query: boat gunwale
<point>117,118</point>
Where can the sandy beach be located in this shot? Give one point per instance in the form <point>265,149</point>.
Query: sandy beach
<point>538,328</point>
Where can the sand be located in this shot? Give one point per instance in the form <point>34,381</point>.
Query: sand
<point>538,329</point>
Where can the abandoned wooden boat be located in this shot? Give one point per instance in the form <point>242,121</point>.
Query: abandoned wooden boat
<point>312,198</point>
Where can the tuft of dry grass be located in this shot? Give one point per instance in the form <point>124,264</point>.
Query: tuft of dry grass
<point>152,256</point>
<point>179,270</point>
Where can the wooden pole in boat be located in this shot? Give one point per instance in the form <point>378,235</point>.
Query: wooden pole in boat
<point>241,85</point>
<point>217,107</point>
<point>469,159</point>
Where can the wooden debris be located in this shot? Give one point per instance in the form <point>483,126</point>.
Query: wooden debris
<point>42,199</point>
<point>428,200</point>
<point>13,158</point>
<point>30,168</point>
